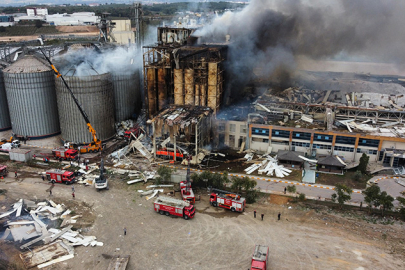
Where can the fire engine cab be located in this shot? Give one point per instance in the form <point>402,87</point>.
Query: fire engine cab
<point>228,200</point>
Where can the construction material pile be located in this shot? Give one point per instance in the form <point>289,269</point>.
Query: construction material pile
<point>29,220</point>
<point>269,166</point>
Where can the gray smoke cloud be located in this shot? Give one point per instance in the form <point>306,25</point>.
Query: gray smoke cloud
<point>272,34</point>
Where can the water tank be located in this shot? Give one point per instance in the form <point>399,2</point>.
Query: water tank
<point>5,122</point>
<point>96,96</point>
<point>30,89</point>
<point>126,95</point>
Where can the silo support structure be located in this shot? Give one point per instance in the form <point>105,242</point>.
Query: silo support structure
<point>212,86</point>
<point>151,79</point>
<point>189,86</point>
<point>162,88</point>
<point>178,87</point>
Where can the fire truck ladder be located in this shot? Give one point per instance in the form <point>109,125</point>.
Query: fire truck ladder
<point>219,191</point>
<point>172,201</point>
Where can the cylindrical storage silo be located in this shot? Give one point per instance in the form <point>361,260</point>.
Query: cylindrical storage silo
<point>30,89</point>
<point>5,122</point>
<point>95,95</point>
<point>126,95</point>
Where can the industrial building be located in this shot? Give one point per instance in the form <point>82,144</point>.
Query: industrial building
<point>178,72</point>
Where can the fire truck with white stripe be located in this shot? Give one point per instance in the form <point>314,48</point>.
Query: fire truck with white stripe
<point>228,200</point>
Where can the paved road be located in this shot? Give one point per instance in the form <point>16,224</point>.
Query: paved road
<point>313,191</point>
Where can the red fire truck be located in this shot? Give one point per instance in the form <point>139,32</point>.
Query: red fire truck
<point>187,192</point>
<point>3,170</point>
<point>228,200</point>
<point>60,176</point>
<point>260,258</point>
<point>65,154</point>
<point>170,206</point>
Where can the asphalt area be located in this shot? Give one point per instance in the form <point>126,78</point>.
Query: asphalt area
<point>215,238</point>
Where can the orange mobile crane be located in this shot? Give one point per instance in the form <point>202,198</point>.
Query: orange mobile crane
<point>94,146</point>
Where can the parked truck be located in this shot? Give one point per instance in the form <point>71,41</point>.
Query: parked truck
<point>3,171</point>
<point>260,258</point>
<point>170,206</point>
<point>187,192</point>
<point>60,176</point>
<point>65,154</point>
<point>228,200</point>
<point>6,147</point>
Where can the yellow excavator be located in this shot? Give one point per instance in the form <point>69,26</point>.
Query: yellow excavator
<point>95,145</point>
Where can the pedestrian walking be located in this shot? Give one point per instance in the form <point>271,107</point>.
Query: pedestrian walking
<point>262,216</point>
<point>73,195</point>
<point>43,178</point>
<point>16,176</point>
<point>125,231</point>
<point>279,215</point>
<point>254,213</point>
<point>73,188</point>
<point>361,205</point>
<point>285,190</point>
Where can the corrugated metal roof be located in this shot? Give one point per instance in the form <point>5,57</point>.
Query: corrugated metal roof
<point>28,64</point>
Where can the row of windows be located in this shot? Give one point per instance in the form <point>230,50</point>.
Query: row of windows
<point>280,133</point>
<point>323,137</point>
<point>346,140</point>
<point>280,142</point>
<point>321,146</point>
<point>302,135</point>
<point>261,131</point>
<point>301,144</point>
<point>367,151</point>
<point>344,149</point>
<point>369,142</point>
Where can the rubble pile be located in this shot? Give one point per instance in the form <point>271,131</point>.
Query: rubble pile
<point>32,221</point>
<point>269,166</point>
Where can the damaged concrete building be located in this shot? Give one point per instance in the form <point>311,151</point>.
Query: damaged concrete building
<point>177,71</point>
<point>181,132</point>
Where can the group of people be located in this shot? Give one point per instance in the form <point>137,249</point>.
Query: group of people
<point>262,215</point>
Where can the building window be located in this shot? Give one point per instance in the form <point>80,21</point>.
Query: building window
<point>254,139</point>
<point>345,140</point>
<point>232,127</point>
<point>344,148</point>
<point>367,151</point>
<point>280,133</point>
<point>322,138</point>
<point>260,131</point>
<point>243,128</point>
<point>280,142</point>
<point>302,135</point>
<point>369,142</point>
<point>221,127</point>
<point>232,140</point>
<point>301,144</point>
<point>321,146</point>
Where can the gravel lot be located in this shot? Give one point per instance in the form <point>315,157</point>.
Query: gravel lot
<point>215,238</point>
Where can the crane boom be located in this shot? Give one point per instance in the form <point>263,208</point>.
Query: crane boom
<point>84,114</point>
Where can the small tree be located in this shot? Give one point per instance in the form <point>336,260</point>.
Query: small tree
<point>2,29</point>
<point>301,197</point>
<point>386,202</point>
<point>402,204</point>
<point>363,163</point>
<point>165,174</point>
<point>292,189</point>
<point>357,175</point>
<point>343,194</point>
<point>237,183</point>
<point>38,23</point>
<point>371,196</point>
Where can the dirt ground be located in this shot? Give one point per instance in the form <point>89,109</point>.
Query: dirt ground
<point>304,238</point>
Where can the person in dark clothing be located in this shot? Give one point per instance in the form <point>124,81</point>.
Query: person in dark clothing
<point>279,215</point>
<point>50,192</point>
<point>43,178</point>
<point>125,231</point>
<point>73,195</point>
<point>285,190</point>
<point>254,213</point>
<point>262,216</point>
<point>16,176</point>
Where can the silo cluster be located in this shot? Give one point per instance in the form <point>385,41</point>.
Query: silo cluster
<point>30,89</point>
<point>36,103</point>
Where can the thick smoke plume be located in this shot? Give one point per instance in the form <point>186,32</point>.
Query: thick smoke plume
<point>270,35</point>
